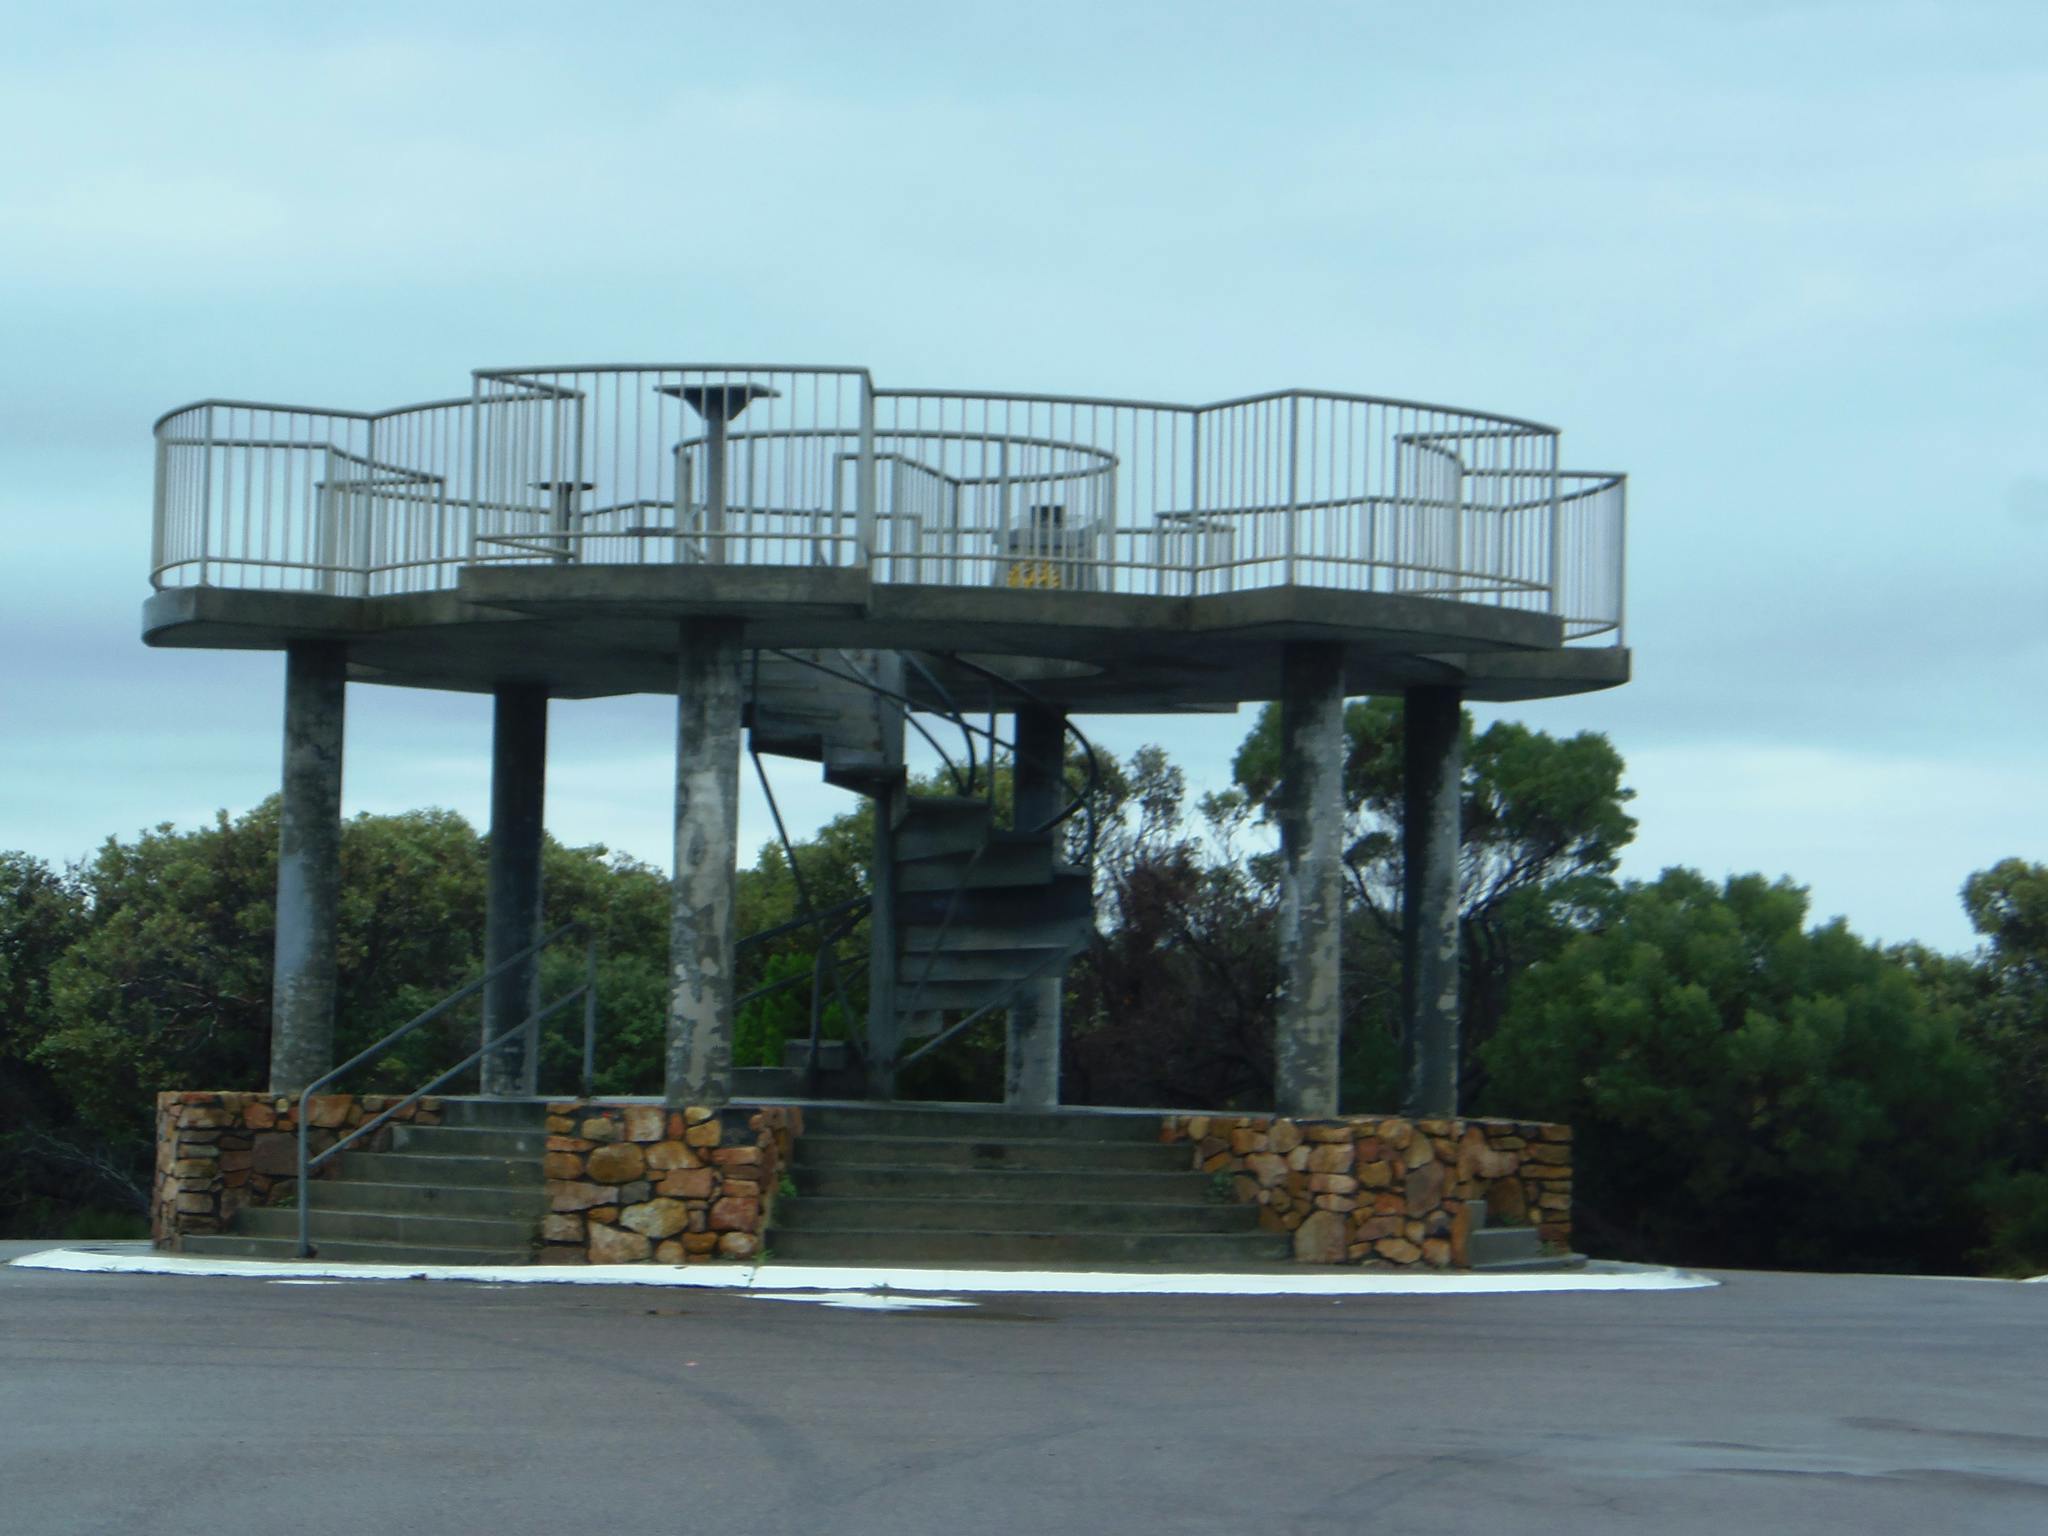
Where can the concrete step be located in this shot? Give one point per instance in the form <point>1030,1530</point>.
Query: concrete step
<point>940,827</point>
<point>468,1141</point>
<point>955,1184</point>
<point>1492,1246</point>
<point>861,771</point>
<point>994,1122</point>
<point>1028,939</point>
<point>970,966</point>
<point>815,1214</point>
<point>824,1151</point>
<point>1052,1250</point>
<point>940,996</point>
<point>1550,1263</point>
<point>504,1203</point>
<point>333,1222</point>
<point>1067,894</point>
<point>749,1083</point>
<point>495,1114</point>
<point>440,1168</point>
<point>781,740</point>
<point>1001,864</point>
<point>229,1246</point>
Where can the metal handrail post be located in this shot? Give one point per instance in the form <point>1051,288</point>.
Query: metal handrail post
<point>864,480</point>
<point>589,1015</point>
<point>1556,541</point>
<point>1293,482</point>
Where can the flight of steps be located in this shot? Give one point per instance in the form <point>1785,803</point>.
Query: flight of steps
<point>467,1191</point>
<point>979,908</point>
<point>794,710</point>
<point>1064,1189</point>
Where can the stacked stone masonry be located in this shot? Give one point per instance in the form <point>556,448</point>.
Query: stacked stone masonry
<point>1367,1189</point>
<point>219,1152</point>
<point>637,1183</point>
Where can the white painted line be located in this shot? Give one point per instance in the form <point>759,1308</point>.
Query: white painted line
<point>801,1277</point>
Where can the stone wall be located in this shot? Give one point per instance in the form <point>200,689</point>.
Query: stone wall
<point>1370,1189</point>
<point>217,1152</point>
<point>637,1183</point>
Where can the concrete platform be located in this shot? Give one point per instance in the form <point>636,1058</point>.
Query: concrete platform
<point>593,631</point>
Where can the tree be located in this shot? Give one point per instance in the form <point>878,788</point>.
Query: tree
<point>1747,1090</point>
<point>1173,1002</point>
<point>2008,905</point>
<point>158,972</point>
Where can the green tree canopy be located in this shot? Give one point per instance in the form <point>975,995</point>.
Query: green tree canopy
<point>1748,1090</point>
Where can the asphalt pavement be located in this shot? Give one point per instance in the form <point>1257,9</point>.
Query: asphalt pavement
<point>1774,1403</point>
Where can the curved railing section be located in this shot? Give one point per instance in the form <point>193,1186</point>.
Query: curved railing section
<point>664,464</point>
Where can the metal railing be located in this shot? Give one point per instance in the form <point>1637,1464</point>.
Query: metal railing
<point>815,466</point>
<point>310,1162</point>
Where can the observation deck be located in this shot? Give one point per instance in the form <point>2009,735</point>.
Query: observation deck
<point>555,524</point>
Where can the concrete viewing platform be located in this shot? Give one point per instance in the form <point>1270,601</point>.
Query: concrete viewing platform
<point>811,564</point>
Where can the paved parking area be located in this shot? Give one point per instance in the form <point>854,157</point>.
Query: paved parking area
<point>1775,1403</point>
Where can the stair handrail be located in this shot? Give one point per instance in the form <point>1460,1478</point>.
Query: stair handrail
<point>825,959</point>
<point>1085,800</point>
<point>587,993</point>
<point>1002,1000</point>
<point>909,705</point>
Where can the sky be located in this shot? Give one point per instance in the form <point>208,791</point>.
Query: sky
<point>1781,262</point>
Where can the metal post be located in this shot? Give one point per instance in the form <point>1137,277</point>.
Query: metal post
<point>1031,1075</point>
<point>1556,540</point>
<point>512,918</point>
<point>1432,770</point>
<point>714,479</point>
<point>308,865</point>
<point>590,1017</point>
<point>1293,482</point>
<point>698,1064</point>
<point>1312,746</point>
<point>864,476</point>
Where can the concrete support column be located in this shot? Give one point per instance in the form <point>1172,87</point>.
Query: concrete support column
<point>1432,771</point>
<point>698,1061</point>
<point>1031,1060</point>
<point>512,914</point>
<point>885,1026</point>
<point>308,865</point>
<point>1310,1015</point>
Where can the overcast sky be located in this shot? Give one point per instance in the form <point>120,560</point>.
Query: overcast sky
<point>1782,262</point>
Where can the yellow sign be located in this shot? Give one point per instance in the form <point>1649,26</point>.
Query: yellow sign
<point>1032,573</point>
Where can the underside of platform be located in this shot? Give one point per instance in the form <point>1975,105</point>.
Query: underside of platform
<point>591,632</point>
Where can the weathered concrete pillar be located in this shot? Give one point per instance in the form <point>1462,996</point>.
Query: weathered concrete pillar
<point>308,865</point>
<point>1031,1059</point>
<point>1310,1015</point>
<point>698,1065</point>
<point>512,915</point>
<point>1432,770</point>
<point>885,1025</point>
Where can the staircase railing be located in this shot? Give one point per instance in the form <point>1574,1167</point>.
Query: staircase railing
<point>825,962</point>
<point>309,1162</point>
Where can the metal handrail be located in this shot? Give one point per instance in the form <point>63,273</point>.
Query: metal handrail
<point>1296,487</point>
<point>587,993</point>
